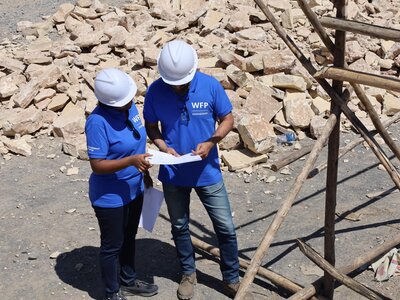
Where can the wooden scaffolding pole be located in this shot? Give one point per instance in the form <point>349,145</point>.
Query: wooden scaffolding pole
<point>361,28</point>
<point>392,171</point>
<point>266,242</point>
<point>333,160</point>
<point>362,260</point>
<point>275,278</point>
<point>353,76</point>
<point>352,145</point>
<point>273,228</point>
<point>316,258</point>
<point>319,29</point>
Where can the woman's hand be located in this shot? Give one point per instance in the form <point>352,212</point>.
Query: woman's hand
<point>140,162</point>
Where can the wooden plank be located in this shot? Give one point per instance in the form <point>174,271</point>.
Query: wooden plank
<point>353,76</point>
<point>361,28</point>
<point>291,158</point>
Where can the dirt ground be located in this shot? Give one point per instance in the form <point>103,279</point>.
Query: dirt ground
<point>44,212</point>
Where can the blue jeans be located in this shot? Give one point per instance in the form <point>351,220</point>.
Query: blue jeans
<point>216,202</point>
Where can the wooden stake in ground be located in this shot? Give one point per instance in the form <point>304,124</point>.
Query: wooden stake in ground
<point>346,280</point>
<point>333,160</point>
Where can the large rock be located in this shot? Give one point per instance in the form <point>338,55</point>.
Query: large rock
<point>230,141</point>
<point>75,146</point>
<point>242,79</point>
<point>27,92</point>
<point>317,125</point>
<point>298,111</point>
<point>289,82</point>
<point>253,33</point>
<point>11,64</point>
<point>18,146</point>
<point>9,85</point>
<point>63,12</point>
<point>26,121</point>
<point>260,101</point>
<point>276,61</point>
<point>239,159</point>
<point>70,122</point>
<point>258,137</point>
<point>391,104</point>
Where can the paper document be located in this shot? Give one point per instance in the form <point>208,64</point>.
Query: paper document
<point>161,158</point>
<point>152,200</point>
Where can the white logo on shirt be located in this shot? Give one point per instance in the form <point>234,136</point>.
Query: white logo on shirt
<point>91,148</point>
<point>136,118</point>
<point>199,104</point>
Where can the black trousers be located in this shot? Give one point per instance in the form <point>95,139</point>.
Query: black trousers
<point>118,228</point>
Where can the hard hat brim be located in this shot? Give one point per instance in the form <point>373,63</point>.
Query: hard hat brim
<point>129,96</point>
<point>183,80</point>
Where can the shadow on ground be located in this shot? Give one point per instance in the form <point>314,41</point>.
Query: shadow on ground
<point>80,267</point>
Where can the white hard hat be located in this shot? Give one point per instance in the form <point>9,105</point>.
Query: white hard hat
<point>114,87</point>
<point>177,63</point>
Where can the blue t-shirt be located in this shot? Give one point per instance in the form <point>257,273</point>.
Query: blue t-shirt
<point>187,121</point>
<point>109,137</point>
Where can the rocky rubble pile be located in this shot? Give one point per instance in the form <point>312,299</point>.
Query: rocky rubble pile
<point>46,84</point>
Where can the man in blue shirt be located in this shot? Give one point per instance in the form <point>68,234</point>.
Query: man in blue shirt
<point>188,104</point>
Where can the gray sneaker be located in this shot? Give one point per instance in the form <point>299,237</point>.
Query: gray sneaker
<point>186,287</point>
<point>140,288</point>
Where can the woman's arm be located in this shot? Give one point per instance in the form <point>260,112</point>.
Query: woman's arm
<point>109,166</point>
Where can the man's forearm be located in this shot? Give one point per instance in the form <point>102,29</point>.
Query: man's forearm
<point>156,137</point>
<point>223,129</point>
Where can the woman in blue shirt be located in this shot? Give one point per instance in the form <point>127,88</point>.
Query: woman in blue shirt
<point>116,142</point>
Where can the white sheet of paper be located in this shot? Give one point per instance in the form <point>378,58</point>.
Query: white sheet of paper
<point>161,158</point>
<point>152,200</point>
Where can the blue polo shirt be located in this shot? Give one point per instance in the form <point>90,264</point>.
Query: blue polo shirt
<point>185,122</point>
<point>109,137</point>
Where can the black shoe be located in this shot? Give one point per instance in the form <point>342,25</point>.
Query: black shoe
<point>140,288</point>
<point>115,296</point>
